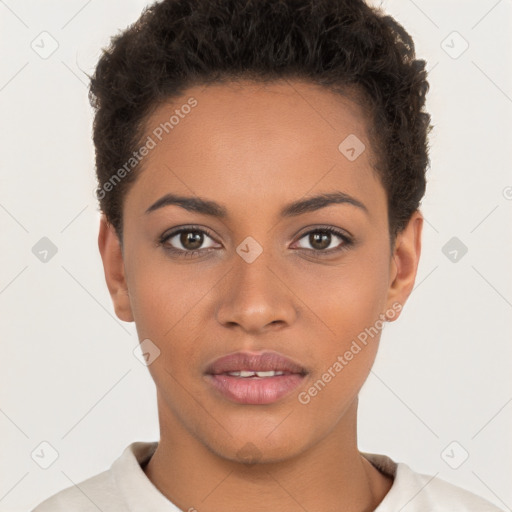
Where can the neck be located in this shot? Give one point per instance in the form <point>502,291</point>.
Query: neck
<point>331,475</point>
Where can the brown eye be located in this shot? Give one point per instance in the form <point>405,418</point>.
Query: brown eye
<point>191,239</point>
<point>187,241</point>
<point>320,240</point>
<point>323,240</point>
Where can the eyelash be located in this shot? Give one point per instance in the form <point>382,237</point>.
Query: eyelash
<point>347,242</point>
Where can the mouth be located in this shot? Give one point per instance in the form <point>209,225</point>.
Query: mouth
<point>240,363</point>
<point>254,378</point>
<point>248,374</point>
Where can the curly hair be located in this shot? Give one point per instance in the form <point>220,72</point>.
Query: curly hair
<point>345,46</point>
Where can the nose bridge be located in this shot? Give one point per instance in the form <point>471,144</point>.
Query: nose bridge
<point>254,295</point>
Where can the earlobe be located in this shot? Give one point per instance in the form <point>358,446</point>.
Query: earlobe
<point>113,266</point>
<point>404,262</point>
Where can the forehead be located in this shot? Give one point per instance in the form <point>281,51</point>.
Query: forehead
<point>246,141</point>
<point>295,109</point>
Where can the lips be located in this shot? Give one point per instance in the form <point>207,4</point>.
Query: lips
<point>267,361</point>
<point>255,378</point>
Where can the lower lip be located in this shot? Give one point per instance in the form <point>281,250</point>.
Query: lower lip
<point>254,390</point>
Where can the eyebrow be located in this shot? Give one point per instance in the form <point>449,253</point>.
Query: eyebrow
<point>207,207</point>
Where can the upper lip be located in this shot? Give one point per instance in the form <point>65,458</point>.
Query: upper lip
<point>255,361</point>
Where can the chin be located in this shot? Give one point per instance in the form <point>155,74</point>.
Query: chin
<point>256,447</point>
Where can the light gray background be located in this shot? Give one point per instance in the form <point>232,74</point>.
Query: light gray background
<point>68,373</point>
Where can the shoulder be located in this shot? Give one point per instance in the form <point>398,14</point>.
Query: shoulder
<point>433,493</point>
<point>123,483</point>
<point>416,492</point>
<point>93,494</point>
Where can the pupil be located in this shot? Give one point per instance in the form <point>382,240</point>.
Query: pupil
<point>189,236</point>
<point>317,237</point>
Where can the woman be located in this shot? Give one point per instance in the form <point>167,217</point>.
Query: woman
<point>260,169</point>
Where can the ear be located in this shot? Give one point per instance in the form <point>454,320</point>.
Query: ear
<point>113,265</point>
<point>404,263</point>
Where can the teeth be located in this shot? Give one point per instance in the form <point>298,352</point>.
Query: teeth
<point>249,373</point>
<point>271,373</point>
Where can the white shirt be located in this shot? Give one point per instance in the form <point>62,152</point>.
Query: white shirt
<point>126,488</point>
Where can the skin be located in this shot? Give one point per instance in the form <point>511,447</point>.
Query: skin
<point>254,149</point>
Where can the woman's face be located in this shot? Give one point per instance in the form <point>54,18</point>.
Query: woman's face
<point>263,275</point>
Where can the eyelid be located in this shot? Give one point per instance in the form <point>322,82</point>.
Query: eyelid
<point>348,239</point>
<point>327,227</point>
<point>179,229</point>
<point>186,227</point>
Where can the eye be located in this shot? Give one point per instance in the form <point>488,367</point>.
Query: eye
<point>322,240</point>
<point>187,241</point>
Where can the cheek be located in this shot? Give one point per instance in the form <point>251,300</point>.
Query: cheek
<point>345,297</point>
<point>170,304</point>
<point>344,305</point>
<point>349,304</point>
<point>165,296</point>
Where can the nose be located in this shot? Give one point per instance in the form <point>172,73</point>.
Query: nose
<point>255,297</point>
